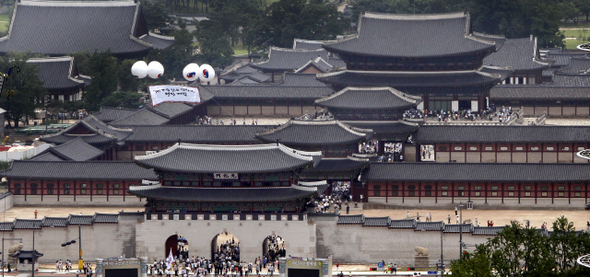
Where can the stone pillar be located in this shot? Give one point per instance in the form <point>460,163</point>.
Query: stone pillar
<point>99,268</point>
<point>143,262</point>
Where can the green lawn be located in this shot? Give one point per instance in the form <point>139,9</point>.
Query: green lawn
<point>239,49</point>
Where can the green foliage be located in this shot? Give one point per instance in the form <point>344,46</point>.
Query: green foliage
<point>215,49</point>
<point>286,20</point>
<point>102,67</point>
<point>28,89</point>
<point>124,99</point>
<point>155,14</point>
<point>526,251</point>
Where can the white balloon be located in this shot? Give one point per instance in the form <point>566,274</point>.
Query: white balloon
<point>139,69</point>
<point>190,72</point>
<point>206,73</point>
<point>155,70</point>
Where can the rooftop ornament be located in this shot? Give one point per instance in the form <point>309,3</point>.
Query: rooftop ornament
<point>584,47</point>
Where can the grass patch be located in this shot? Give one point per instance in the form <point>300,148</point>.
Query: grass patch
<point>239,49</point>
<point>572,44</point>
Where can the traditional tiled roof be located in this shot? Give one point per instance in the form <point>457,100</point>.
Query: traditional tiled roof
<point>96,132</point>
<point>47,157</point>
<point>59,28</point>
<point>429,226</point>
<point>80,219</point>
<point>309,44</point>
<point>108,114</point>
<point>318,63</point>
<point>201,158</point>
<point>268,92</point>
<point>520,54</point>
<point>54,222</point>
<point>376,221</point>
<point>101,170</point>
<point>576,66</point>
<point>313,133</point>
<point>411,79</point>
<point>457,228</point>
<point>143,116</point>
<point>27,223</point>
<point>75,150</point>
<point>397,130</point>
<point>472,172</point>
<point>364,98</point>
<point>402,224</point>
<point>571,80</point>
<point>397,35</point>
<point>538,92</point>
<point>236,194</point>
<point>284,59</point>
<point>338,164</point>
<point>58,73</point>
<point>105,218</point>
<point>205,134</point>
<point>301,80</point>
<point>487,231</point>
<point>498,134</point>
<point>351,219</point>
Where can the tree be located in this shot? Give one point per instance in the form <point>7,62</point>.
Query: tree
<point>124,99</point>
<point>286,20</point>
<point>103,69</point>
<point>215,48</point>
<point>28,92</point>
<point>155,14</point>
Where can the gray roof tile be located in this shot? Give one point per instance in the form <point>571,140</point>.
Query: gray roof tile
<point>204,134</point>
<point>487,231</point>
<point>75,150</point>
<point>520,54</point>
<point>397,35</point>
<point>429,226</point>
<point>185,157</point>
<point>54,222</point>
<point>97,170</point>
<point>402,224</point>
<point>80,219</point>
<point>105,218</point>
<point>369,98</point>
<point>313,133</point>
<point>351,219</point>
<point>283,59</point>
<point>263,194</point>
<point>498,134</point>
<point>108,114</point>
<point>27,223</point>
<point>538,92</point>
<point>60,28</point>
<point>470,172</point>
<point>409,79</point>
<point>457,228</point>
<point>268,92</point>
<point>57,73</point>
<point>376,221</point>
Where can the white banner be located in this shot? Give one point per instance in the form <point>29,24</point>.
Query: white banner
<point>174,94</point>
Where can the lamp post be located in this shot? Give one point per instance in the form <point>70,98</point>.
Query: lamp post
<point>80,260</point>
<point>3,239</point>
<point>460,230</point>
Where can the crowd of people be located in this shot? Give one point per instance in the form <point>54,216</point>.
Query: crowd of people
<point>491,113</point>
<point>275,248</point>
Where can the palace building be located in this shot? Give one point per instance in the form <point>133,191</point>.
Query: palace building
<point>222,178</point>
<point>436,57</point>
